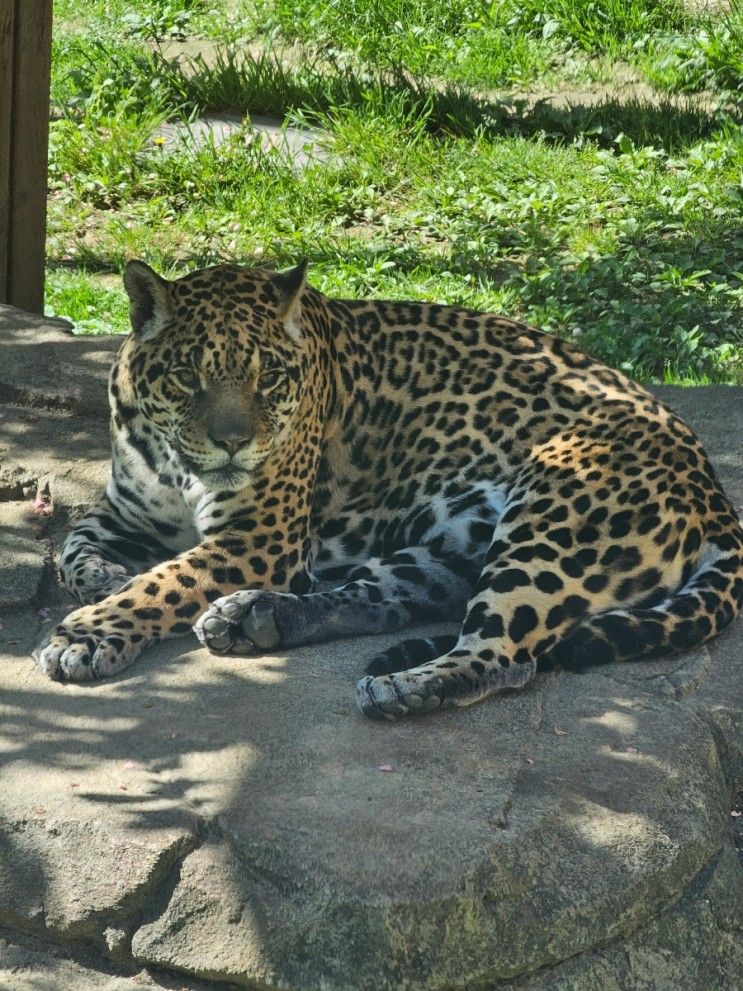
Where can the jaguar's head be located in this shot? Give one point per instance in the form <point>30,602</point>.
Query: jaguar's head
<point>216,363</point>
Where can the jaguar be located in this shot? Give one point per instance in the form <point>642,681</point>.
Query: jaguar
<point>289,468</point>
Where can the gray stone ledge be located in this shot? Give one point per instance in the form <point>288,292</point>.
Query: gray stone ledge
<point>226,819</point>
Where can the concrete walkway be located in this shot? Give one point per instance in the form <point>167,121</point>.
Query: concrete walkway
<point>238,822</point>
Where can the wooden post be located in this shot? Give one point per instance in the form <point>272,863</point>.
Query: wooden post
<point>25,65</point>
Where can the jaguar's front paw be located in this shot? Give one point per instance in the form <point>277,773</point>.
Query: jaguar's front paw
<point>82,651</point>
<point>241,623</point>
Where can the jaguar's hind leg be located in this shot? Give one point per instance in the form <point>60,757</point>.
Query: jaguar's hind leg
<point>545,572</point>
<point>104,551</point>
<point>410,654</point>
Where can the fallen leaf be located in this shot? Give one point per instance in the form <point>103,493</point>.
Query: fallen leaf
<point>631,750</point>
<point>74,784</point>
<point>39,810</point>
<point>560,732</point>
<point>529,760</point>
<point>129,764</point>
<point>735,813</point>
<point>122,787</point>
<point>385,767</point>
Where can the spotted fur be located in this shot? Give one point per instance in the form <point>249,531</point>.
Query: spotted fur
<point>289,468</point>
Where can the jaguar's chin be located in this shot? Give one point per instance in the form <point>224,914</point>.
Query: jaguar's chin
<point>229,476</point>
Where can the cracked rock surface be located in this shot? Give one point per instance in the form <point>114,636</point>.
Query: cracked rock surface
<point>205,821</point>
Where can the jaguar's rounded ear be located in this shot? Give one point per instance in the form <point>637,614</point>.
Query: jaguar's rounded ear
<point>290,286</point>
<point>149,300</point>
<point>291,283</point>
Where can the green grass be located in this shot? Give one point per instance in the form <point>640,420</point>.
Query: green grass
<point>615,223</point>
<point>476,41</point>
<point>93,307</point>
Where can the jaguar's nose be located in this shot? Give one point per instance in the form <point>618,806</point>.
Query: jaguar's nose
<point>231,416</point>
<point>230,443</point>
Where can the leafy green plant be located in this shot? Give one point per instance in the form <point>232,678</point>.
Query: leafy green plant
<point>100,155</point>
<point>709,58</point>
<point>165,19</point>
<point>606,26</point>
<point>95,74</point>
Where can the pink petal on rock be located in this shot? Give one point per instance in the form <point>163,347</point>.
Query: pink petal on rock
<point>40,505</point>
<point>385,767</point>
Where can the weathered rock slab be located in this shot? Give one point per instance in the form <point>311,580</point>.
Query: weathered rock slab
<point>237,820</point>
<point>22,556</point>
<point>28,964</point>
<point>506,841</point>
<point>72,878</point>
<point>695,945</point>
<point>46,366</point>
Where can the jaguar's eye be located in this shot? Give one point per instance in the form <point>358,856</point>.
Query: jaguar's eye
<point>185,379</point>
<point>270,379</point>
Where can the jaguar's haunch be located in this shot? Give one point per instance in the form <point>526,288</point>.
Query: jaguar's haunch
<point>289,468</point>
